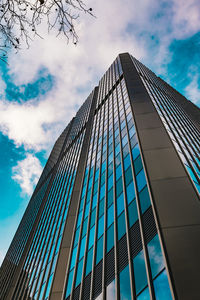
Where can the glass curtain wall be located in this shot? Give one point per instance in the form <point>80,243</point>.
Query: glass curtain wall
<point>116,250</point>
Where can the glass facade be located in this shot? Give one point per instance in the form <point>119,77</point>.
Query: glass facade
<point>115,250</point>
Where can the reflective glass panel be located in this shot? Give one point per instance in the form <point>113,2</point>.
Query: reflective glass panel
<point>124,281</point>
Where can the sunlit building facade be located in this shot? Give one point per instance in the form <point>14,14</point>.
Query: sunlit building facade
<point>115,214</point>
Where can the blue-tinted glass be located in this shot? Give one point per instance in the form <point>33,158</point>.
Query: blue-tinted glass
<point>69,283</point>
<point>79,272</point>
<point>110,215</point>
<point>101,207</point>
<point>135,151</point>
<point>130,191</point>
<point>79,219</point>
<point>117,160</point>
<point>110,158</point>
<point>119,187</point>
<point>90,183</point>
<point>117,149</point>
<point>120,204</point>
<point>84,227</point>
<point>86,210</point>
<point>110,197</point>
<point>100,226</point>
<point>144,295</point>
<point>73,259</point>
<point>118,172</point>
<point>141,180</point>
<point>93,217</point>
<point>124,140</point>
<point>103,167</point>
<point>128,176</point>
<point>134,141</point>
<point>88,195</point>
<point>121,225</point>
<point>110,237</point>
<point>96,174</point>
<point>132,213</point>
<point>82,248</point>
<point>95,187</point>
<point>94,201</point>
<point>110,182</point>
<point>91,237</point>
<point>140,272</point>
<point>124,281</point>
<point>110,291</point>
<point>103,176</point>
<point>155,256</point>
<point>110,169</point>
<point>127,162</point>
<point>132,131</point>
<point>144,199</point>
<point>102,191</point>
<point>81,204</point>
<point>125,150</point>
<point>161,287</point>
<point>89,261</point>
<point>99,254</point>
<point>76,236</point>
<point>138,164</point>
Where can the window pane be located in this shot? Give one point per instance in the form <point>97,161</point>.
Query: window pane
<point>144,199</point>
<point>125,289</point>
<point>144,295</point>
<point>138,164</point>
<point>91,237</point>
<point>132,213</point>
<point>82,248</point>
<point>121,226</point>
<point>79,272</point>
<point>89,261</point>
<point>161,287</point>
<point>155,256</point>
<point>110,237</point>
<point>110,291</point>
<point>120,204</point>
<point>99,254</point>
<point>110,215</point>
<point>130,192</point>
<point>139,272</point>
<point>100,226</point>
<point>141,180</point>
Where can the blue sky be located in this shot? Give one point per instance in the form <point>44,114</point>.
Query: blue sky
<point>42,87</point>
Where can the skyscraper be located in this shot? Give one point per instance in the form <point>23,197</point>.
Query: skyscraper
<point>116,211</point>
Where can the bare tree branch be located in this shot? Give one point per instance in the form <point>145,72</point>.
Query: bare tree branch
<point>20,20</point>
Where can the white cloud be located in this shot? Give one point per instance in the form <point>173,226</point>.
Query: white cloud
<point>192,90</point>
<point>27,172</point>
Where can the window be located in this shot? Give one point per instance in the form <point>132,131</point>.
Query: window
<point>144,199</point>
<point>110,291</point>
<point>110,237</point>
<point>140,272</point>
<point>99,253</point>
<point>89,261</point>
<point>124,281</point>
<point>161,287</point>
<point>141,180</point>
<point>155,256</point>
<point>132,213</point>
<point>121,225</point>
